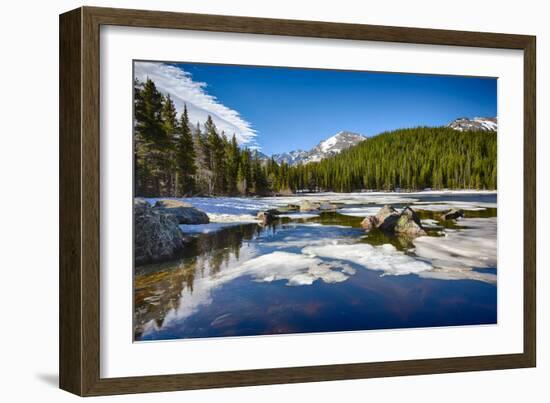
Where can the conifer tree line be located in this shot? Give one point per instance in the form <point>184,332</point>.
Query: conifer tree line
<point>176,157</point>
<point>173,157</point>
<point>407,159</point>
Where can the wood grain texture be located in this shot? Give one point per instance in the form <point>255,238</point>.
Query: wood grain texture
<point>70,270</point>
<point>80,200</point>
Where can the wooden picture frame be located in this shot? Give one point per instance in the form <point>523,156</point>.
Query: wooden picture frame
<point>79,346</point>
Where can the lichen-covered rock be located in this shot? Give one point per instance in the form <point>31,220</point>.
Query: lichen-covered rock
<point>308,205</point>
<point>268,216</point>
<point>157,236</point>
<point>385,219</point>
<point>390,220</point>
<point>409,223</point>
<point>453,214</point>
<point>184,212</point>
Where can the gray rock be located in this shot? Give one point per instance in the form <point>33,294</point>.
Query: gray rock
<point>409,223</point>
<point>307,205</point>
<point>157,236</point>
<point>453,214</point>
<point>385,219</point>
<point>268,216</point>
<point>140,205</point>
<point>184,212</point>
<point>390,220</point>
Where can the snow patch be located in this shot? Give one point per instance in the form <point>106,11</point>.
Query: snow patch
<point>297,269</point>
<point>299,216</point>
<point>359,211</point>
<point>385,258</point>
<point>459,252</point>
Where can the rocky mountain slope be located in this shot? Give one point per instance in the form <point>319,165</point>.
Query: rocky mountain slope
<point>476,124</point>
<point>326,148</point>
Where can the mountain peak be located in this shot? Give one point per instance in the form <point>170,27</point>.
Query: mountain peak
<point>326,148</point>
<point>475,124</point>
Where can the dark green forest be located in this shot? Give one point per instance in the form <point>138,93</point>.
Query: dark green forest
<point>176,157</point>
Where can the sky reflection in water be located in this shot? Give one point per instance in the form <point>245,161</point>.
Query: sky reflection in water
<point>248,280</point>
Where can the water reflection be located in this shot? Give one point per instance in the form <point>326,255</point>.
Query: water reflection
<point>242,280</point>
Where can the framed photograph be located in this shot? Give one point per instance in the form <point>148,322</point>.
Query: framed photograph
<point>250,201</point>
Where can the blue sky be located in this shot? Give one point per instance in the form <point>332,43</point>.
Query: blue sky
<point>285,109</point>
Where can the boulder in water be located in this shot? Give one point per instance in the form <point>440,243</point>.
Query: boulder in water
<point>308,205</point>
<point>390,220</point>
<point>452,214</point>
<point>268,216</point>
<point>385,219</point>
<point>408,223</point>
<point>184,212</point>
<point>157,236</point>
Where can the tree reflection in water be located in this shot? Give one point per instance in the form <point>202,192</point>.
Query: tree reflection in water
<point>158,288</point>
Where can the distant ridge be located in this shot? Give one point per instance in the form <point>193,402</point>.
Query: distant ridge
<point>475,124</point>
<point>326,148</point>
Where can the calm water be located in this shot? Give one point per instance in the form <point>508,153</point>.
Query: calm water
<point>316,274</point>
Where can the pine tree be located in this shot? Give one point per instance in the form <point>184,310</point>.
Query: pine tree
<point>232,165</point>
<point>185,157</point>
<point>167,146</point>
<point>149,139</point>
<point>217,157</point>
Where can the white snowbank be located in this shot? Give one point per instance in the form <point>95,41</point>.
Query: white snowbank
<point>456,254</point>
<point>384,258</point>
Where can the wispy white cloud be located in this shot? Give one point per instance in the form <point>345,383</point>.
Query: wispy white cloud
<point>179,84</point>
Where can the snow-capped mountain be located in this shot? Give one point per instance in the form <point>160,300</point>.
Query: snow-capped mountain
<point>291,158</point>
<point>475,124</point>
<point>326,148</point>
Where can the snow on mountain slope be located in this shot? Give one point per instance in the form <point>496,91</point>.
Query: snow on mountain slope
<point>326,148</point>
<point>475,124</point>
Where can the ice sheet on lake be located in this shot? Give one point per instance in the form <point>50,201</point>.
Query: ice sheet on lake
<point>459,253</point>
<point>385,258</point>
<point>430,223</point>
<point>218,222</point>
<point>232,218</point>
<point>295,268</point>
<point>298,216</point>
<point>359,211</point>
<point>447,205</point>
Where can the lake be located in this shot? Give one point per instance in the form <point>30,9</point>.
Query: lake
<point>320,271</point>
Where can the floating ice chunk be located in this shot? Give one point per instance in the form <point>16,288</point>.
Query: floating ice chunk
<point>384,258</point>
<point>475,246</point>
<point>296,268</point>
<point>447,206</point>
<point>459,274</point>
<point>359,211</point>
<point>229,218</point>
<point>429,223</point>
<point>299,216</point>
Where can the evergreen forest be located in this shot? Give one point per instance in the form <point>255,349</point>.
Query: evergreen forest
<point>176,157</point>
